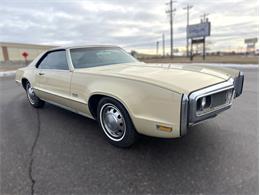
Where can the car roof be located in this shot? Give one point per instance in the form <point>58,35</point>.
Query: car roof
<point>80,46</point>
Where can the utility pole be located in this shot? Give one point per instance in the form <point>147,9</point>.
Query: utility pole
<point>204,17</point>
<point>188,7</point>
<point>171,12</point>
<point>163,44</point>
<point>157,48</point>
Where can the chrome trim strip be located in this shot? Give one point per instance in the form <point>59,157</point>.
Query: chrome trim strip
<point>213,92</point>
<point>202,121</point>
<point>69,60</point>
<point>51,70</point>
<point>239,84</point>
<point>213,89</point>
<point>69,98</point>
<point>184,115</point>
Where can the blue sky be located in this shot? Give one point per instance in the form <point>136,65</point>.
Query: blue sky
<point>131,24</point>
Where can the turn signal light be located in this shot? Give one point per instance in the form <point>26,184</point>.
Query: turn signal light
<point>164,128</point>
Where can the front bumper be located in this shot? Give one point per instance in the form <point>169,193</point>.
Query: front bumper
<point>239,84</point>
<point>189,114</point>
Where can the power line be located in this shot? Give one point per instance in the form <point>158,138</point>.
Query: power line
<point>171,12</point>
<point>188,7</point>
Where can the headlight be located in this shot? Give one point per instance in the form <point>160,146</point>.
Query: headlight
<point>203,103</point>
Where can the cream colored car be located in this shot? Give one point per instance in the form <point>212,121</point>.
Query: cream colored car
<point>128,97</point>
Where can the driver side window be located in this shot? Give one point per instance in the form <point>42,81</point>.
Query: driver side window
<point>54,60</point>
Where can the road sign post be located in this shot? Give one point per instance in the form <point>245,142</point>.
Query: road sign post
<point>25,55</point>
<point>198,33</point>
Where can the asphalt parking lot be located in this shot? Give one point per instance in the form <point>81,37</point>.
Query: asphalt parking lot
<point>54,151</point>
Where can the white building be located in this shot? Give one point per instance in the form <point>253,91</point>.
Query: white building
<point>14,51</point>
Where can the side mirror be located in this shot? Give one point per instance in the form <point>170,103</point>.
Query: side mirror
<point>134,54</point>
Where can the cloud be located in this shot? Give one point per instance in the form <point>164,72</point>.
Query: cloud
<point>131,24</point>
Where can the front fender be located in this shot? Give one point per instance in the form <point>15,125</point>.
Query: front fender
<point>148,105</point>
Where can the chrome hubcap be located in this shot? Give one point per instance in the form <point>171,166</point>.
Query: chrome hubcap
<point>31,95</point>
<point>112,122</point>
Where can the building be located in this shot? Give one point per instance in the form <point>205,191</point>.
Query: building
<point>15,51</point>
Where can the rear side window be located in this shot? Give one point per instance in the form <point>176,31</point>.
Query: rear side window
<point>54,60</point>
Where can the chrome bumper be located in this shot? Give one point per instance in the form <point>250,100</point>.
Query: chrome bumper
<point>189,114</point>
<point>238,84</point>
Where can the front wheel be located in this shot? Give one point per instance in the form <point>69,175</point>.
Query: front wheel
<point>116,123</point>
<point>33,99</point>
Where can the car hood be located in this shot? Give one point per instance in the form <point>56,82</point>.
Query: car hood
<point>176,77</point>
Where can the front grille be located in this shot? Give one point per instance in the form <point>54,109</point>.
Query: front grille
<point>210,101</point>
<point>219,99</point>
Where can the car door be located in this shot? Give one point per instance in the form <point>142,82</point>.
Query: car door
<point>53,77</point>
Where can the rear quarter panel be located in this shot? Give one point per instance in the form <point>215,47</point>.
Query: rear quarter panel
<point>25,73</point>
<point>28,71</point>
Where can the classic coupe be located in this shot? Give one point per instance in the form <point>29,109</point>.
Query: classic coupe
<point>128,97</point>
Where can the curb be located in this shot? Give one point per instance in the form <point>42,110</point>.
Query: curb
<point>7,73</point>
<point>243,66</point>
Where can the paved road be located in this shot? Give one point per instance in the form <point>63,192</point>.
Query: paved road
<point>53,151</point>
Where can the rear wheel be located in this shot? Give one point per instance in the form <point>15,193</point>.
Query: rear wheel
<point>116,123</point>
<point>33,99</point>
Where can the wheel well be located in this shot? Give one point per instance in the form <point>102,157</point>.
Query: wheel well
<point>93,104</point>
<point>24,81</point>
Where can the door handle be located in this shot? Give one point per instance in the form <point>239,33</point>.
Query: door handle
<point>41,73</point>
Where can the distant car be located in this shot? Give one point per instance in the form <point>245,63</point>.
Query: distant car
<point>128,97</point>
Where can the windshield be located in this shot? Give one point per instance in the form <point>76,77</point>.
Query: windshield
<point>99,56</point>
